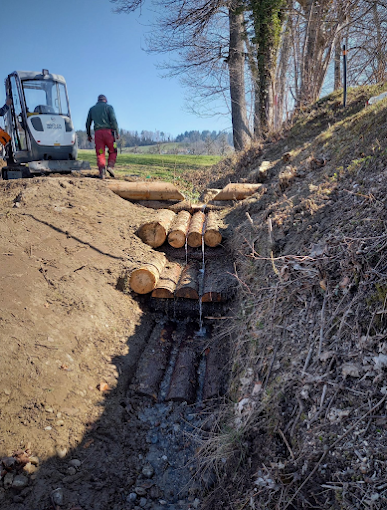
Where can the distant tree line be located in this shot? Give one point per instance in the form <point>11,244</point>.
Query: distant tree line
<point>192,142</point>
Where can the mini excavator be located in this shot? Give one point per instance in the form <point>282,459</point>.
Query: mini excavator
<point>39,135</point>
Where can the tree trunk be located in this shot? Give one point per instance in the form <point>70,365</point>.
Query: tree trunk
<point>212,235</point>
<point>236,67</point>
<point>179,229</point>
<point>188,286</point>
<point>337,62</point>
<point>168,281</point>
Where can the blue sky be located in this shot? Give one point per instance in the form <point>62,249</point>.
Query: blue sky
<point>98,52</point>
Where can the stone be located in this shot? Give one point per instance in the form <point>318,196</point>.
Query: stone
<point>148,471</point>
<point>196,503</point>
<point>75,462</point>
<point>57,496</point>
<point>71,470</point>
<point>34,461</point>
<point>7,480</point>
<point>18,499</point>
<point>132,497</point>
<point>61,451</point>
<point>143,502</point>
<point>129,482</point>
<point>140,491</point>
<point>29,468</point>
<point>8,462</point>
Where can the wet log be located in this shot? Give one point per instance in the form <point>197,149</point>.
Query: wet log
<point>184,377</point>
<point>179,229</point>
<point>154,361</point>
<point>153,190</point>
<point>212,235</point>
<point>188,286</point>
<point>195,253</point>
<point>154,233</point>
<point>168,281</point>
<point>194,237</point>
<point>145,278</point>
<point>219,282</point>
<point>216,361</point>
<point>237,191</point>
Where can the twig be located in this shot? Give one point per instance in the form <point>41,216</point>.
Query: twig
<point>378,404</point>
<point>287,443</point>
<point>322,325</point>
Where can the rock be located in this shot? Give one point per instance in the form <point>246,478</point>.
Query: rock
<point>350,369</point>
<point>148,471</point>
<point>34,461</point>
<point>196,503</point>
<point>29,468</point>
<point>57,496</point>
<point>19,482</point>
<point>143,502</point>
<point>61,451</point>
<point>140,491</point>
<point>71,470</point>
<point>132,497</point>
<point>75,462</point>
<point>162,502</point>
<point>8,462</point>
<point>154,492</point>
<point>129,482</point>
<point>7,481</point>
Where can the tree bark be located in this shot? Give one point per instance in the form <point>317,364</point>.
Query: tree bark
<point>168,281</point>
<point>236,67</point>
<point>145,278</point>
<point>154,190</point>
<point>212,235</point>
<point>188,286</point>
<point>194,237</point>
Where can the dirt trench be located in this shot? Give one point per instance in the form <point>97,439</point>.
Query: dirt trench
<point>135,447</point>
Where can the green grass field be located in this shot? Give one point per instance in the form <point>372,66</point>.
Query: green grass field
<point>166,167</point>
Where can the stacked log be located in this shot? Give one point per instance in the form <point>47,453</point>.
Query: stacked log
<point>168,281</point>
<point>184,380</point>
<point>219,282</point>
<point>188,286</point>
<point>153,190</point>
<point>155,360</point>
<point>179,229</point>
<point>145,278</point>
<point>154,233</point>
<point>194,237</point>
<point>237,191</point>
<point>212,235</point>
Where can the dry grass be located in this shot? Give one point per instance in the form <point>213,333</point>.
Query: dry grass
<point>310,351</point>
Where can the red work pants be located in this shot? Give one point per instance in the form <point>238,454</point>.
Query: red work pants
<point>105,138</point>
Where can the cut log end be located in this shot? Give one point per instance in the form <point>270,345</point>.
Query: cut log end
<point>143,280</point>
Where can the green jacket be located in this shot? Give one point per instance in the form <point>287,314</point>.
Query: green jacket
<point>103,116</point>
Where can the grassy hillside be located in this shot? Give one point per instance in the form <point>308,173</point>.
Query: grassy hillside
<point>305,426</point>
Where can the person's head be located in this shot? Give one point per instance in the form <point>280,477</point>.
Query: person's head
<point>102,99</point>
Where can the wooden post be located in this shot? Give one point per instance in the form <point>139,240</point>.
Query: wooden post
<point>237,191</point>
<point>212,236</point>
<point>154,233</point>
<point>152,190</point>
<point>179,229</point>
<point>168,281</point>
<point>188,286</point>
<point>145,278</point>
<point>194,238</point>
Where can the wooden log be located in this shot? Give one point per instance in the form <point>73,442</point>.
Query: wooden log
<point>194,237</point>
<point>168,281</point>
<point>179,229</point>
<point>154,233</point>
<point>183,205</point>
<point>219,282</point>
<point>212,235</point>
<point>184,380</point>
<point>216,361</point>
<point>154,361</point>
<point>188,286</point>
<point>153,190</point>
<point>195,253</point>
<point>145,278</point>
<point>237,191</point>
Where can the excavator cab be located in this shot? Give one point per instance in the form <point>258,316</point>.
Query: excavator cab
<point>39,124</point>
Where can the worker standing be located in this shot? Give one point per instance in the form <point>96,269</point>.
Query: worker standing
<point>105,134</point>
